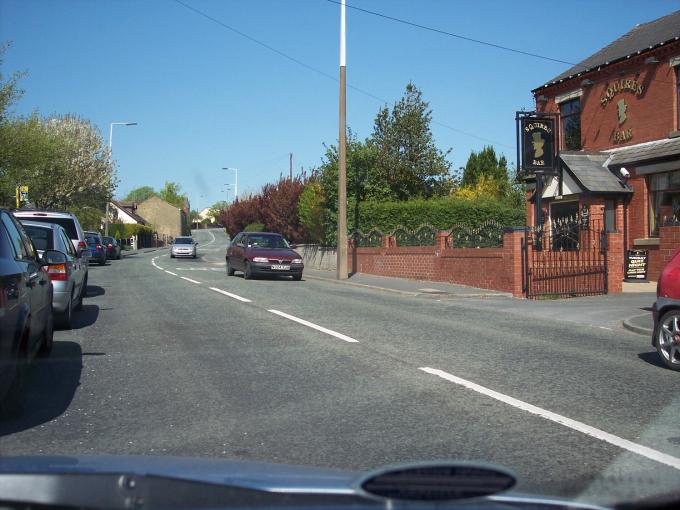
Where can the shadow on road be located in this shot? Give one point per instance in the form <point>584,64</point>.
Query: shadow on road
<point>652,358</point>
<point>50,385</point>
<point>85,317</point>
<point>95,290</point>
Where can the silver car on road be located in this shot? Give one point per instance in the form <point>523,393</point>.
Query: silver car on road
<point>183,246</point>
<point>69,280</point>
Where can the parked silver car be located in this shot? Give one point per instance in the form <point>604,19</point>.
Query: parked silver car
<point>69,280</point>
<point>183,247</point>
<point>65,219</point>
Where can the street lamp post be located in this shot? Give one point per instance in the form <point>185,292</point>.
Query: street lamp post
<point>106,219</point>
<point>235,180</point>
<point>341,264</point>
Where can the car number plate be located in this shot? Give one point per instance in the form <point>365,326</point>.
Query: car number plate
<point>280,267</point>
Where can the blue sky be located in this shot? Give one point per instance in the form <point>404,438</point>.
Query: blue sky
<point>206,98</point>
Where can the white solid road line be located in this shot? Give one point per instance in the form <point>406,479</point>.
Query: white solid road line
<point>170,272</point>
<point>630,446</point>
<point>189,279</point>
<point>314,326</point>
<point>230,294</point>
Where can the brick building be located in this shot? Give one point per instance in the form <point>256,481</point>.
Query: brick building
<point>164,218</point>
<point>618,123</point>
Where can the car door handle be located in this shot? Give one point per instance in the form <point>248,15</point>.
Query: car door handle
<point>32,278</point>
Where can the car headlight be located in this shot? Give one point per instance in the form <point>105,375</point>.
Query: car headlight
<point>260,259</point>
<point>296,261</point>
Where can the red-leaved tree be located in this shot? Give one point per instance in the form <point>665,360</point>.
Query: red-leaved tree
<point>279,211</point>
<point>242,213</point>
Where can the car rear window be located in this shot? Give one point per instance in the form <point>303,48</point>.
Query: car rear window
<point>42,237</point>
<point>68,224</point>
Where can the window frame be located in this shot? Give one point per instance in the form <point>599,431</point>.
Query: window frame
<point>569,117</point>
<point>652,195</point>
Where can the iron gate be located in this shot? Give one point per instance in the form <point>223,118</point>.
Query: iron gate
<point>565,258</point>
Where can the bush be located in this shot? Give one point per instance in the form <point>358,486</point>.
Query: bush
<point>441,213</point>
<point>254,227</point>
<point>127,230</point>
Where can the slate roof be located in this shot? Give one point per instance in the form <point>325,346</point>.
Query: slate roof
<point>642,37</point>
<point>645,151</point>
<point>591,174</point>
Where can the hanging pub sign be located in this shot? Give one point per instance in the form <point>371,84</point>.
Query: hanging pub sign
<point>636,264</point>
<point>538,143</point>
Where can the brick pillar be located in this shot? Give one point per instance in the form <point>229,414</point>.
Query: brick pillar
<point>440,241</point>
<point>512,259</point>
<point>615,262</point>
<point>389,242</point>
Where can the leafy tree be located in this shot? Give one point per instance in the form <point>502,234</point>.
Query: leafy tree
<point>9,89</point>
<point>172,194</point>
<point>312,212</point>
<point>63,160</point>
<point>241,213</point>
<point>486,163</point>
<point>279,208</point>
<point>405,150</point>
<point>140,194</point>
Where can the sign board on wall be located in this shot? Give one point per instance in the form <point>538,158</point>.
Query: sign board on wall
<point>636,264</point>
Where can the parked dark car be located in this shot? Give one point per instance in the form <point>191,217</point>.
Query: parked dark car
<point>666,313</point>
<point>263,253</point>
<point>112,248</point>
<point>69,280</point>
<point>26,322</point>
<point>96,247</point>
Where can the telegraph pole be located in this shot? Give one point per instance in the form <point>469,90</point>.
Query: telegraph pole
<point>342,157</point>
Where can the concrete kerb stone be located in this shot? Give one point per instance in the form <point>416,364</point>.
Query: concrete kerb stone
<point>639,324</point>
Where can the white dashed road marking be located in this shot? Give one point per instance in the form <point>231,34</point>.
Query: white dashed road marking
<point>170,272</point>
<point>189,280</point>
<point>224,292</point>
<point>314,326</point>
<point>630,446</point>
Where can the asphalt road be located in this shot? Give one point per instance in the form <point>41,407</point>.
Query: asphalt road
<point>172,357</point>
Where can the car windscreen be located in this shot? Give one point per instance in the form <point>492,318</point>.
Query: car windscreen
<point>68,224</point>
<point>184,240</point>
<point>42,237</point>
<point>267,241</point>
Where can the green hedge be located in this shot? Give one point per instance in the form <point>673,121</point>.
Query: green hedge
<point>126,230</point>
<point>440,213</point>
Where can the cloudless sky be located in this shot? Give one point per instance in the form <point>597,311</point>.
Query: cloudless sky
<point>206,97</point>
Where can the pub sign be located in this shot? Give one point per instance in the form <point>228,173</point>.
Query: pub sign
<point>538,143</point>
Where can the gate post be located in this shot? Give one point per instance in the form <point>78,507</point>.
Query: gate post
<point>615,262</point>
<point>513,257</point>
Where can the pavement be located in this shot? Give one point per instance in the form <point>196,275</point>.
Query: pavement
<point>629,310</point>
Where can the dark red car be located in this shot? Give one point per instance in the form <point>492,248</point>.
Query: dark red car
<point>263,253</point>
<point>666,312</point>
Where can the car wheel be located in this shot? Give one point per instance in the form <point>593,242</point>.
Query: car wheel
<point>668,339</point>
<point>83,291</point>
<point>172,256</point>
<point>230,270</point>
<point>48,337</point>
<point>79,306</point>
<point>119,256</point>
<point>102,262</point>
<point>65,321</point>
<point>297,277</point>
<point>247,272</point>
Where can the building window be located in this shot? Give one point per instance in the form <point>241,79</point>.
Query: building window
<point>664,200</point>
<point>570,111</point>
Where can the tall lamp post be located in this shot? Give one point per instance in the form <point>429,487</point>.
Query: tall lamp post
<point>342,161</point>
<point>106,219</point>
<point>235,180</point>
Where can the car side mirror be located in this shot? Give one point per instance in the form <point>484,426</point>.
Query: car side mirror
<point>293,246</point>
<point>53,257</point>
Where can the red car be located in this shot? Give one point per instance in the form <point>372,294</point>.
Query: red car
<point>263,253</point>
<point>666,312</point>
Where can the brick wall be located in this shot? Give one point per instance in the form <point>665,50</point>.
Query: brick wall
<point>650,115</point>
<point>488,268</point>
<point>669,241</point>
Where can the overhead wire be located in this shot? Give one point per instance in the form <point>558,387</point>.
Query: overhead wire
<point>319,71</point>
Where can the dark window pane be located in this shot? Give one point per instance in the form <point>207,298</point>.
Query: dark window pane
<point>42,237</point>
<point>571,124</point>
